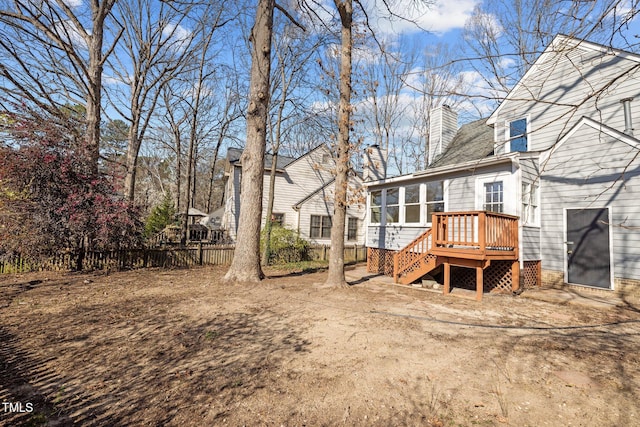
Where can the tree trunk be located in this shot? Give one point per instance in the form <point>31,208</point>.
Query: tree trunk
<point>131,162</point>
<point>94,95</point>
<point>246,261</point>
<point>266,255</point>
<point>336,254</point>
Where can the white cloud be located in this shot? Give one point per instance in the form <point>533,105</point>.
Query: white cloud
<point>178,35</point>
<point>74,4</point>
<point>412,15</point>
<point>70,34</point>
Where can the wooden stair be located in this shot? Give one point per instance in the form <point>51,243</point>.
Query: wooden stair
<point>415,260</point>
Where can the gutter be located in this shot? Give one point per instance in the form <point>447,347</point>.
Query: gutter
<point>459,167</point>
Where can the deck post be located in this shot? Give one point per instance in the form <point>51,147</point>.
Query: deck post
<point>482,231</point>
<point>479,283</point>
<point>447,278</point>
<point>515,275</point>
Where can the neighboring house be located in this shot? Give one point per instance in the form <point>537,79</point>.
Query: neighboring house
<point>547,189</point>
<point>303,196</point>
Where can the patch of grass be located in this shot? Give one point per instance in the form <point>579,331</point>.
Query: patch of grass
<point>209,335</point>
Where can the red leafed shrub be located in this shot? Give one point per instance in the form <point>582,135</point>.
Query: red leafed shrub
<point>52,198</point>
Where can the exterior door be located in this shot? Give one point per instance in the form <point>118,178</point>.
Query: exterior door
<point>588,248</point>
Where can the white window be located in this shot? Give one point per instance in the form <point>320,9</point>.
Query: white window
<point>530,213</point>
<point>435,198</point>
<point>412,203</point>
<point>393,205</point>
<point>518,135</point>
<point>493,197</point>
<point>375,205</point>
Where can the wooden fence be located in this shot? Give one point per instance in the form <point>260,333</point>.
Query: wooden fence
<point>165,257</point>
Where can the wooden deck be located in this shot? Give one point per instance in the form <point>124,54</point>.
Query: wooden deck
<point>470,239</point>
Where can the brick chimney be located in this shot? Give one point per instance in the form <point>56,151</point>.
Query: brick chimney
<point>443,125</point>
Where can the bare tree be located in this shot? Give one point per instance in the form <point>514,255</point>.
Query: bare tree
<point>504,38</point>
<point>155,47</point>
<point>336,254</point>
<point>293,52</point>
<point>246,261</point>
<point>53,54</point>
<point>386,106</point>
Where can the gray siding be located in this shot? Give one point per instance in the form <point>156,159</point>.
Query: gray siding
<point>562,80</point>
<point>593,170</point>
<point>460,195</point>
<point>392,237</point>
<point>530,244</point>
<point>530,170</point>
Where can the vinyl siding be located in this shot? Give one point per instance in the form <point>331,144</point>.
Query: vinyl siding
<point>566,86</point>
<point>322,204</point>
<point>460,195</point>
<point>392,237</point>
<point>530,244</point>
<point>299,180</point>
<point>592,170</point>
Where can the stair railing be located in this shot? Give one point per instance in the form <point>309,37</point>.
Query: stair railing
<point>405,257</point>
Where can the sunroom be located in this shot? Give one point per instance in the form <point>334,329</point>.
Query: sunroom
<point>458,224</point>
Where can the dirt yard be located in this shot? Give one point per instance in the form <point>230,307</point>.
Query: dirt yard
<point>178,348</point>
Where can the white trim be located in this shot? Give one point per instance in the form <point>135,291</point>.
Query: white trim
<point>403,205</point>
<point>509,191</point>
<point>506,144</point>
<point>469,166</point>
<point>565,248</point>
<point>561,43</point>
<point>622,137</point>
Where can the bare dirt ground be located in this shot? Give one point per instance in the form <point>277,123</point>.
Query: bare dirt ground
<point>178,348</point>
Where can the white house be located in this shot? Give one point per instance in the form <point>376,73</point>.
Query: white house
<point>558,158</point>
<point>303,196</point>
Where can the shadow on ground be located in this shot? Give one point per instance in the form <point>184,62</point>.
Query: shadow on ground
<point>126,364</point>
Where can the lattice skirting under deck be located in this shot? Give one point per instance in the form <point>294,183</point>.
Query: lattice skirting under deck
<point>531,274</point>
<point>496,277</point>
<point>380,261</point>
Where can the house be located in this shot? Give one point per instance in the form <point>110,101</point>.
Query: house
<point>303,196</point>
<point>544,190</point>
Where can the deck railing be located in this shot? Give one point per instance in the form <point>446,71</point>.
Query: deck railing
<point>475,232</point>
<point>419,247</point>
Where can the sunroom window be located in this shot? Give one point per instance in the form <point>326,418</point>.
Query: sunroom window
<point>412,203</point>
<point>393,205</point>
<point>435,198</point>
<point>375,204</point>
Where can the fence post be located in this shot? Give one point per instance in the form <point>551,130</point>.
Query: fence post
<point>199,253</point>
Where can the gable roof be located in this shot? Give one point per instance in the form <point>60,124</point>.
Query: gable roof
<point>473,141</point>
<point>561,43</point>
<point>233,156</point>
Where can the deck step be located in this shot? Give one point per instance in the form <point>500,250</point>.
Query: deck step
<point>420,267</point>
